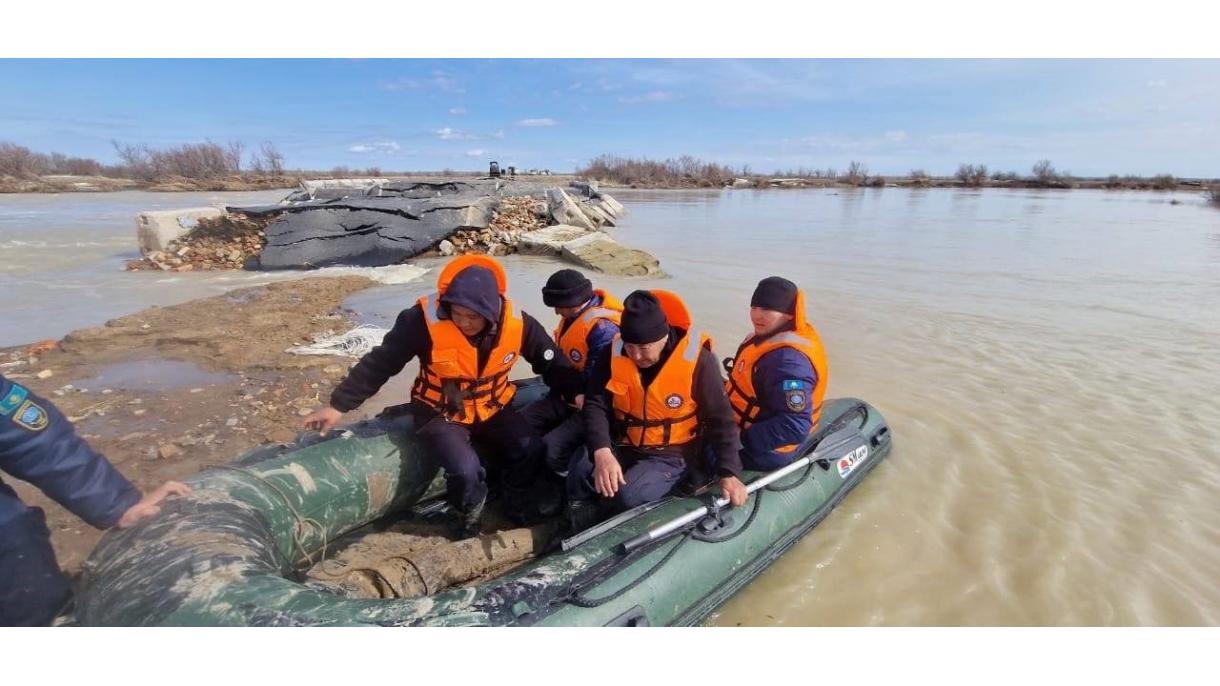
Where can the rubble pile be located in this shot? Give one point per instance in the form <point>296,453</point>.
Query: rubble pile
<point>513,217</point>
<point>229,241</point>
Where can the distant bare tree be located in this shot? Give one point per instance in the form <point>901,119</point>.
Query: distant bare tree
<point>273,160</point>
<point>856,174</point>
<point>973,175</point>
<point>1044,172</point>
<point>920,178</point>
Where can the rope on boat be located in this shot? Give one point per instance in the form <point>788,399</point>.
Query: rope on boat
<point>301,520</point>
<point>354,343</point>
<point>577,598</point>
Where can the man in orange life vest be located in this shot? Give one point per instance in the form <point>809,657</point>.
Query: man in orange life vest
<point>778,377</point>
<point>663,403</point>
<point>589,321</point>
<point>467,336</point>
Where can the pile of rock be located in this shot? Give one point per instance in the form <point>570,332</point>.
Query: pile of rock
<point>514,217</point>
<point>229,241</point>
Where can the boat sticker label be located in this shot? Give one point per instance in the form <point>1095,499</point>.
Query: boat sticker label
<point>850,461</point>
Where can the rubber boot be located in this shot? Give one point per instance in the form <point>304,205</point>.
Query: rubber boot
<point>580,515</point>
<point>470,523</point>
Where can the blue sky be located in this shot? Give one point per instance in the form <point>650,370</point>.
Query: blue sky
<point>1090,117</point>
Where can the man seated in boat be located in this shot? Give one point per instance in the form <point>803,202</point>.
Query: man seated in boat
<point>39,445</point>
<point>651,407</point>
<point>467,336</point>
<point>588,323</point>
<point>778,377</point>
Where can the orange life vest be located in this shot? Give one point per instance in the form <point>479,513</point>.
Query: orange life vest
<point>662,414</point>
<point>740,385</point>
<point>452,382</point>
<point>574,341</point>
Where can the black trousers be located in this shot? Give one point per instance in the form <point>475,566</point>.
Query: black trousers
<point>561,429</point>
<point>32,589</point>
<point>505,442</point>
<point>649,475</point>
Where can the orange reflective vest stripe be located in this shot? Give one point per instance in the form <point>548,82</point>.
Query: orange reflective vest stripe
<point>574,340</point>
<point>743,396</point>
<point>664,413</point>
<point>452,383</point>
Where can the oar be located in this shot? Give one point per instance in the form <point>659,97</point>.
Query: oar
<point>695,515</point>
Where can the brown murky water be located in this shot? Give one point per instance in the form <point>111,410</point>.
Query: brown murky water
<point>1049,364</point>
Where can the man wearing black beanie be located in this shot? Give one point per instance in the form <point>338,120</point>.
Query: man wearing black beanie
<point>778,377</point>
<point>652,408</point>
<point>588,323</point>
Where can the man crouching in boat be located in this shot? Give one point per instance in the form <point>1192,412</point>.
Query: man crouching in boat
<point>777,378</point>
<point>588,324</point>
<point>664,399</point>
<point>467,335</point>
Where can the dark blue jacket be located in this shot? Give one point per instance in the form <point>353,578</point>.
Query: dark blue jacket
<point>778,377</point>
<point>598,339</point>
<point>39,445</point>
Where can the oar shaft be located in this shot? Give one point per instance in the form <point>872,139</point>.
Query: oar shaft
<point>693,516</point>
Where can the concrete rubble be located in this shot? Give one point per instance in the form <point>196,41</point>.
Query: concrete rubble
<point>377,222</point>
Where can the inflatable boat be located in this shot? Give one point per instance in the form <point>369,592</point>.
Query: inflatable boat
<point>232,553</point>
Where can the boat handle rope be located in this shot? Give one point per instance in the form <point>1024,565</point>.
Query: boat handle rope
<point>301,520</point>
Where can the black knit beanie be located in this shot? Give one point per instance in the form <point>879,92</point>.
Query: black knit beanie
<point>567,288</point>
<point>775,293</point>
<point>643,319</point>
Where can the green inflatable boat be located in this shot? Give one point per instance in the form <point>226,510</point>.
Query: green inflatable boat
<point>231,553</point>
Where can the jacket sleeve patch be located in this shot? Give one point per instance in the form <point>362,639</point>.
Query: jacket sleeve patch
<point>13,399</point>
<point>31,416</point>
<point>795,395</point>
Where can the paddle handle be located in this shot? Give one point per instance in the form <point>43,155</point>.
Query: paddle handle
<point>693,516</point>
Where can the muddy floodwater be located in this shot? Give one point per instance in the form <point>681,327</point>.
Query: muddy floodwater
<point>1048,362</point>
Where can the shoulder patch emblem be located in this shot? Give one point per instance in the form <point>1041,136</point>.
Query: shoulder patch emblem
<point>796,400</point>
<point>13,399</point>
<point>793,385</point>
<point>575,355</point>
<point>31,416</point>
<point>674,401</point>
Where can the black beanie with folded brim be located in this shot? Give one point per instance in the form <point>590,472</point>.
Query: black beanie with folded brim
<point>567,288</point>
<point>643,320</point>
<point>775,293</point>
<point>474,288</point>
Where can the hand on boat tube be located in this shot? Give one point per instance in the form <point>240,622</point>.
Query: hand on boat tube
<point>579,402</point>
<point>322,419</point>
<point>732,488</point>
<point>607,473</point>
<point>150,504</point>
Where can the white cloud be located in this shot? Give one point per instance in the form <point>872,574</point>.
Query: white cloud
<point>477,152</point>
<point>545,121</point>
<point>438,81</point>
<point>897,136</point>
<point>458,111</point>
<point>499,133</point>
<point>378,146</point>
<point>1158,83</point>
<point>450,134</point>
<point>652,96</point>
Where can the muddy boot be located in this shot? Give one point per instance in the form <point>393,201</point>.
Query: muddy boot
<point>580,515</point>
<point>469,523</point>
<point>550,496</point>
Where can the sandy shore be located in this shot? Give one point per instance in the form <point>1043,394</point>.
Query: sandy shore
<point>169,390</point>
